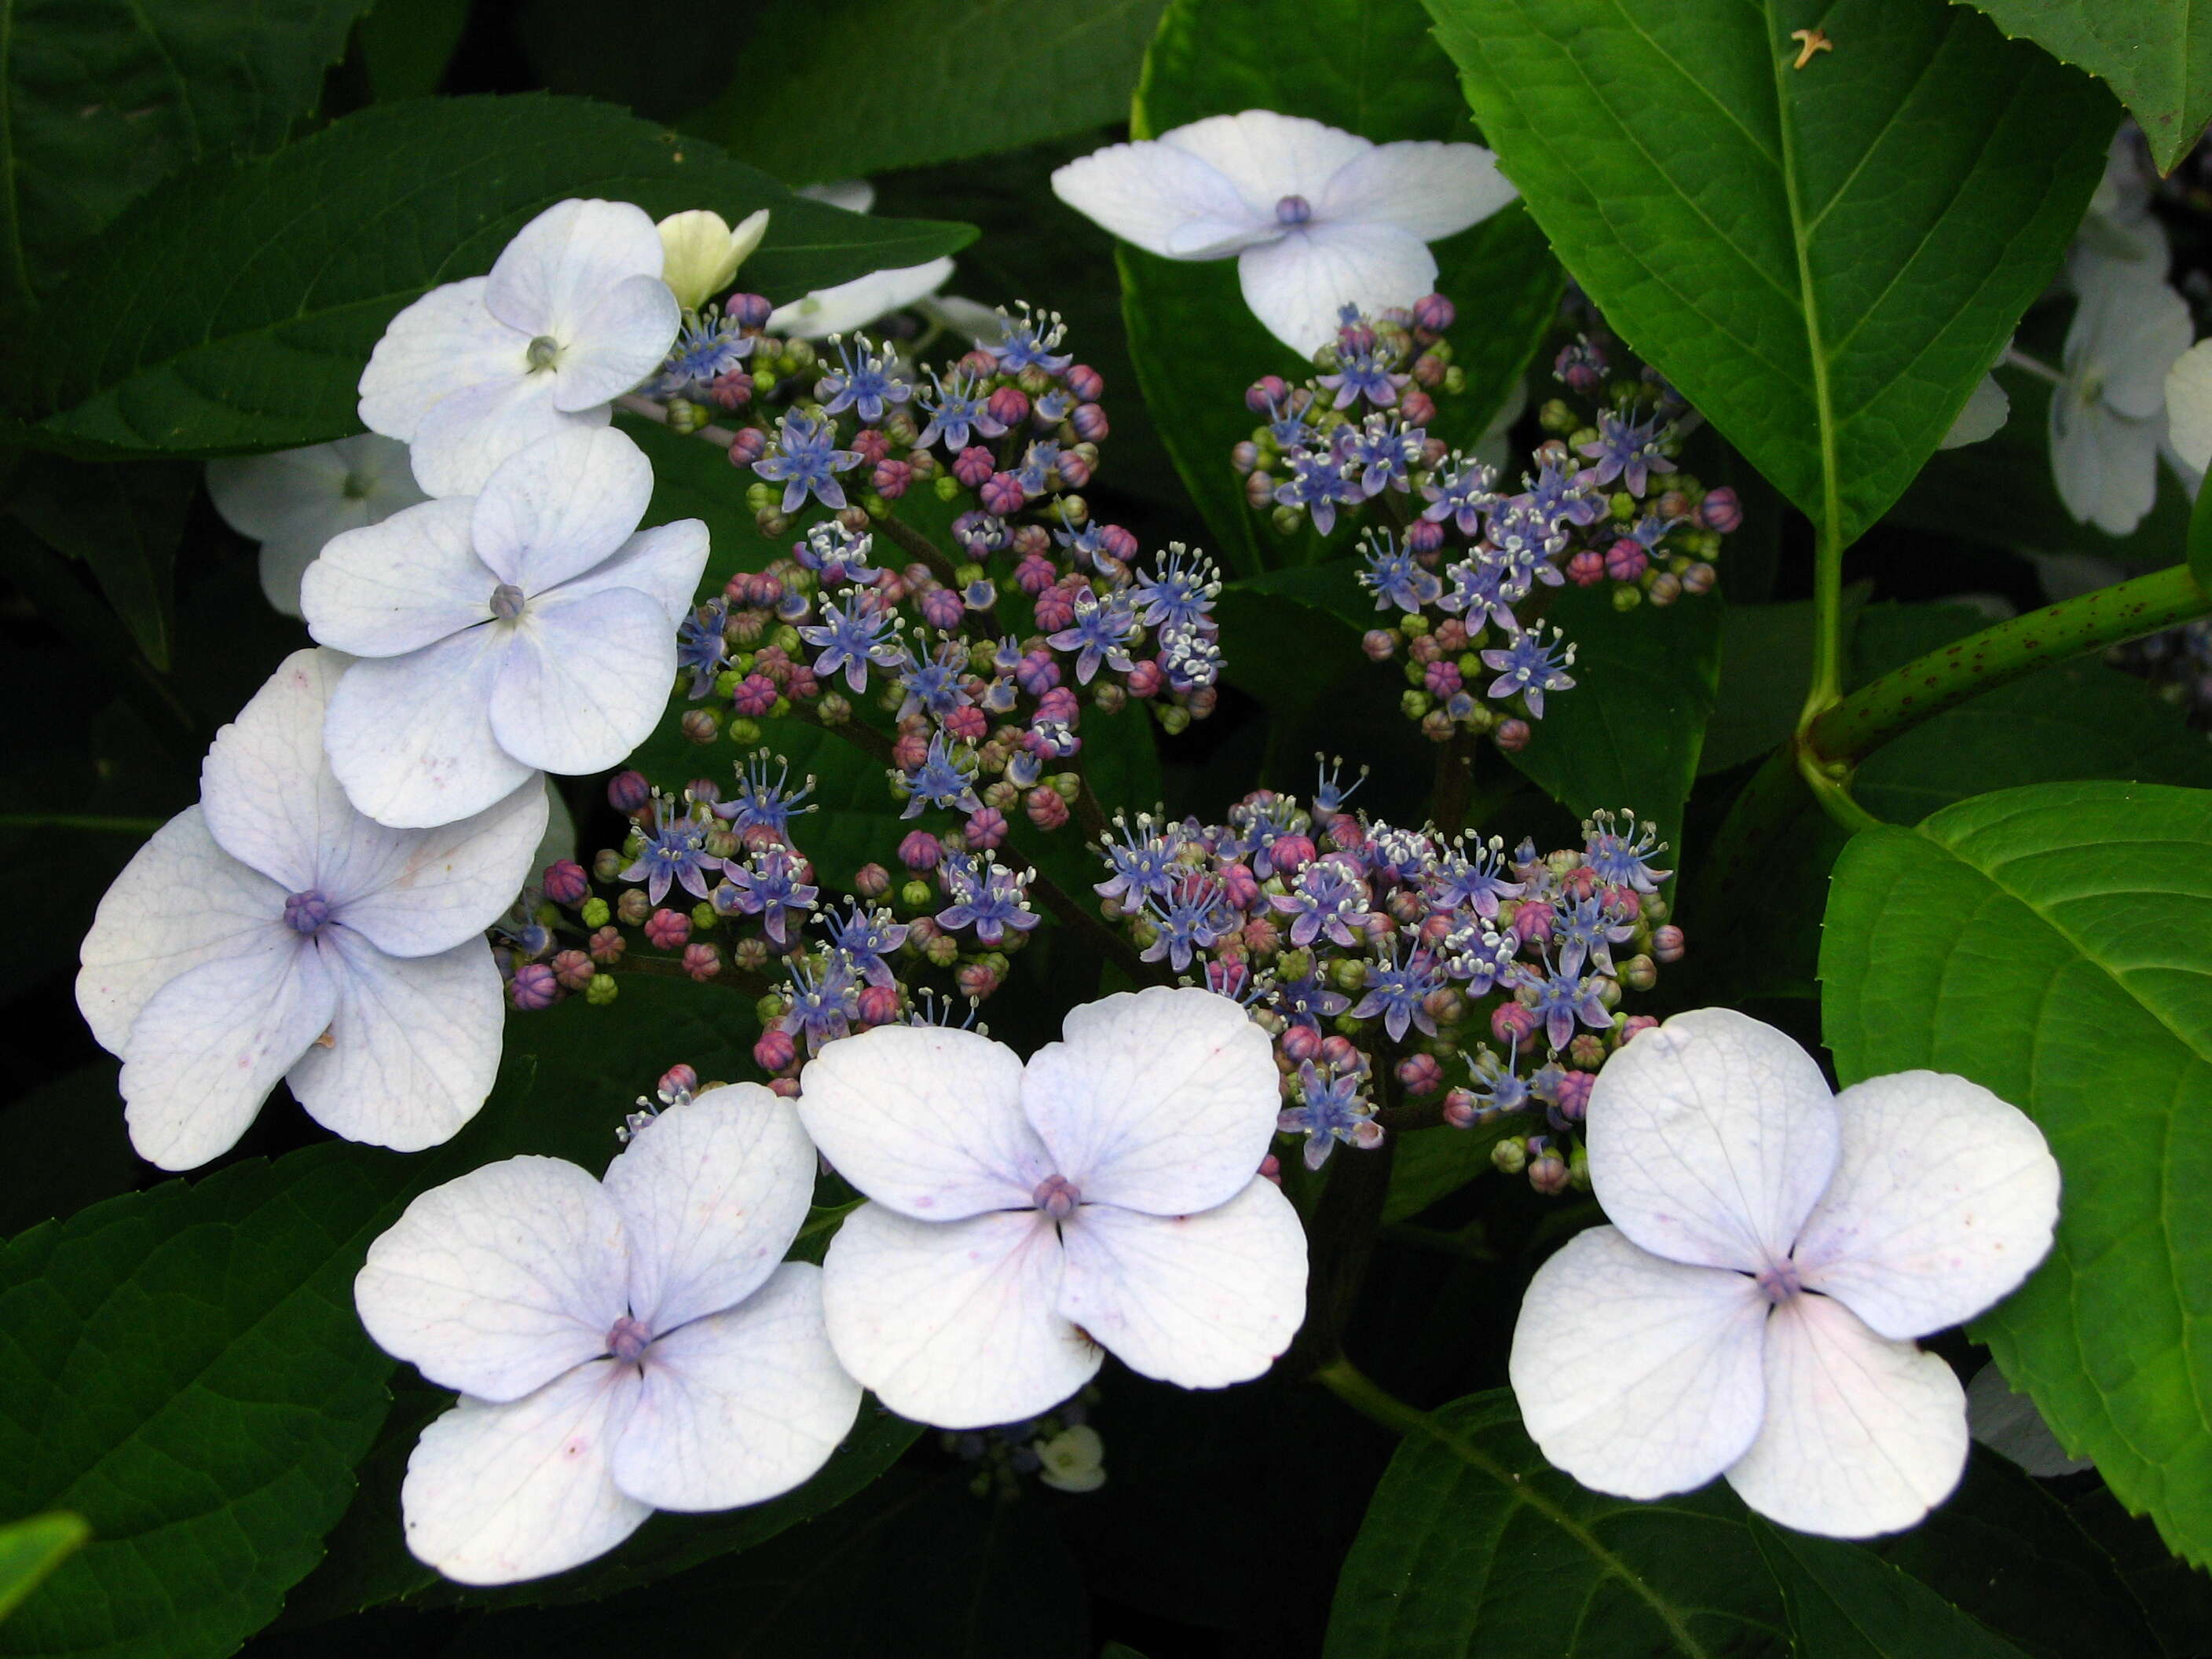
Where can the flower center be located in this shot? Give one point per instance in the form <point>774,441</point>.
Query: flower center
<point>1294,210</point>
<point>357,488</point>
<point>544,352</point>
<point>306,911</point>
<point>1778,1279</point>
<point>627,1338</point>
<point>507,601</point>
<point>1057,1196</point>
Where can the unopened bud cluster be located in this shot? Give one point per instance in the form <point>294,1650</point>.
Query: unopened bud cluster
<point>1397,964</point>
<point>1465,567</point>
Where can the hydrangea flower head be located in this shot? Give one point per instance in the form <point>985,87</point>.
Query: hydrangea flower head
<point>532,627</point>
<point>1774,1250</point>
<point>620,1346</point>
<point>2108,413</point>
<point>273,932</point>
<point>1023,1218</point>
<point>1317,218</point>
<point>573,314</point>
<point>294,500</point>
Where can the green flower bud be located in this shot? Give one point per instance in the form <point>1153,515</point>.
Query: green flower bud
<point>594,913</point>
<point>1416,704</point>
<point>600,989</point>
<point>1509,1155</point>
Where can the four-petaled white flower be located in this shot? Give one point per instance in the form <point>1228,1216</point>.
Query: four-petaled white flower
<point>294,500</point>
<point>273,932</point>
<point>1774,1250</point>
<point>701,253</point>
<point>522,630</point>
<point>1023,1216</point>
<point>1317,218</point>
<point>619,1347</point>
<point>848,306</point>
<point>573,314</point>
<point>2108,410</point>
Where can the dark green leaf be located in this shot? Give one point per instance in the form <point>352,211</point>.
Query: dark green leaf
<point>236,309</point>
<point>2155,54</point>
<point>915,1566</point>
<point>405,45</point>
<point>2002,1550</point>
<point>1845,1603</point>
<point>927,81</point>
<point>1827,259</point>
<point>1630,732</point>
<point>103,99</point>
<point>124,523</point>
<point>2054,944</point>
<point>185,1371</point>
<point>1474,1543</point>
<point>31,1549</point>
<point>1370,67</point>
<point>84,1153</point>
<point>1434,1163</point>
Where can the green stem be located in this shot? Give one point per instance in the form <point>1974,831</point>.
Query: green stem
<point>1364,1395</point>
<point>1845,734</point>
<point>1828,623</point>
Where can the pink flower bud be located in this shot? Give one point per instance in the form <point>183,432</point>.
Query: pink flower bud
<point>920,850</point>
<point>1086,383</point>
<point>534,986</point>
<point>1721,510</point>
<point>1459,1109</point>
<point>1666,943</point>
<point>701,962</point>
<point>1625,560</point>
<point>775,1050</point>
<point>1002,494</point>
<point>678,1079</point>
<point>1512,1021</point>
<point>1380,644</point>
<point>889,479</point>
<point>1300,1043</point>
<point>1269,390</point>
<point>1045,808</point>
<point>1587,567</point>
<point>1511,735</point>
<point>985,830</point>
<point>627,791</point>
<point>666,929</point>
<point>1420,1074</point>
<point>1008,405</point>
<point>1146,679</point>
<point>566,883</point>
<point>606,946</point>
<point>972,466</point>
<point>976,978</point>
<point>572,968</point>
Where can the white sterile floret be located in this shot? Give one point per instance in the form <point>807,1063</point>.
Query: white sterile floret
<point>531,627</point>
<point>2108,414</point>
<point>1074,1459</point>
<point>294,500</point>
<point>620,1347</point>
<point>2189,407</point>
<point>272,931</point>
<point>1024,1216</point>
<point>701,253</point>
<point>1774,1250</point>
<point>1317,218</point>
<point>573,314</point>
<point>852,304</point>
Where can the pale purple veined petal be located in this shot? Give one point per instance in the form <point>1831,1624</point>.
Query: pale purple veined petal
<point>410,737</point>
<point>585,679</point>
<point>464,438</point>
<point>209,1045</point>
<point>499,1281</point>
<point>427,891</point>
<point>498,1493</point>
<point>445,343</point>
<point>617,342</point>
<point>1163,1100</point>
<point>1944,1201</point>
<point>1267,155</point>
<point>413,1046</point>
<point>665,561</point>
<point>269,800</point>
<point>1297,285</point>
<point>926,1119</point>
<point>1862,1435</point>
<point>1431,190</point>
<point>1164,199</point>
<point>181,901</point>
<point>556,509</point>
<point>563,262</point>
<point>1711,1139</point>
<point>712,1192</point>
<point>954,1323</point>
<point>1638,1376</point>
<point>396,587</point>
<point>741,1406</point>
<point>1201,1301</point>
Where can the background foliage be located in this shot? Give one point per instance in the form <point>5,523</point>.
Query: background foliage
<point>210,210</point>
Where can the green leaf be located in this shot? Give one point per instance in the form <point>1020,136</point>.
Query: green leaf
<point>235,311</point>
<point>927,81</point>
<point>1629,734</point>
<point>2002,1550</point>
<point>31,1549</point>
<point>2054,944</point>
<point>2200,539</point>
<point>1290,637</point>
<point>405,45</point>
<point>125,524</point>
<point>1474,1543</point>
<point>1846,1602</point>
<point>101,100</point>
<point>1368,67</point>
<point>2155,54</point>
<point>1823,260</point>
<point>185,1371</point>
